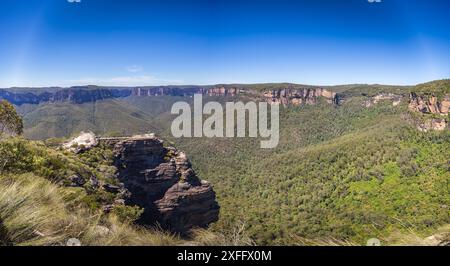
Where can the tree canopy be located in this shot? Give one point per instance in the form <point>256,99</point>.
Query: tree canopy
<point>10,121</point>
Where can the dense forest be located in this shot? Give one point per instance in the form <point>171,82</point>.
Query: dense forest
<point>344,173</point>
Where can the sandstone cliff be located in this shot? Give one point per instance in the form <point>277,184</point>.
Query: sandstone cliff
<point>83,94</point>
<point>396,99</point>
<point>161,180</point>
<point>141,171</point>
<point>429,104</point>
<point>299,96</point>
<point>436,109</point>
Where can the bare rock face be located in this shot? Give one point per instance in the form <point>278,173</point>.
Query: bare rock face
<point>186,205</point>
<point>161,180</point>
<point>394,98</point>
<point>429,104</point>
<point>84,141</point>
<point>185,91</point>
<point>222,91</point>
<point>299,96</point>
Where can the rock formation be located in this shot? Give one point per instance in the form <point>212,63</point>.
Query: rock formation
<point>299,96</point>
<point>156,178</point>
<point>161,180</point>
<point>83,94</point>
<point>430,105</point>
<point>85,141</point>
<point>395,98</point>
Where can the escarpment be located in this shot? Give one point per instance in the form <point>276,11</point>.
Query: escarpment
<point>435,111</point>
<point>284,96</point>
<point>299,96</point>
<point>83,94</point>
<point>185,91</point>
<point>140,171</point>
<point>161,180</point>
<point>429,104</point>
<point>73,95</point>
<point>396,99</point>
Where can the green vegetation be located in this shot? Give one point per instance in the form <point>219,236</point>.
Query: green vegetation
<point>438,88</point>
<point>371,176</point>
<point>10,122</point>
<point>340,175</point>
<point>38,206</point>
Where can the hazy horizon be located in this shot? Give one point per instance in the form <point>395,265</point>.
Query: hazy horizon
<point>215,84</point>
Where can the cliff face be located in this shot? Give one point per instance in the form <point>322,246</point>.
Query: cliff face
<point>394,98</point>
<point>429,104</point>
<point>285,96</point>
<point>184,91</point>
<point>162,181</point>
<point>74,95</point>
<point>299,96</point>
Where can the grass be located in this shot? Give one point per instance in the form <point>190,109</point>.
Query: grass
<point>34,211</point>
<point>340,175</point>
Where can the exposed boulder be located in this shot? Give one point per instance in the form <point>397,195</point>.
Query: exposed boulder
<point>186,205</point>
<point>436,240</point>
<point>81,143</point>
<point>161,180</point>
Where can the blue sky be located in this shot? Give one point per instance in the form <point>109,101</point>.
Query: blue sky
<point>138,42</point>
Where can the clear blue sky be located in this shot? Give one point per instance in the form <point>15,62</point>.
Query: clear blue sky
<point>132,42</point>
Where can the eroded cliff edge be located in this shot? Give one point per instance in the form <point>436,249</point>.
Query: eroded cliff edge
<point>162,181</point>
<point>156,178</point>
<point>285,95</point>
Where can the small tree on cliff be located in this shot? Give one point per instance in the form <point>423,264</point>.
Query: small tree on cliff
<point>10,122</point>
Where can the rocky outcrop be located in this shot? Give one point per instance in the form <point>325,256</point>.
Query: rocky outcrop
<point>430,106</point>
<point>156,178</point>
<point>286,96</point>
<point>222,91</point>
<point>299,96</point>
<point>161,180</point>
<point>394,98</point>
<point>81,143</point>
<point>166,91</point>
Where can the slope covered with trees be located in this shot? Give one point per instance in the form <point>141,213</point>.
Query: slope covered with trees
<point>347,172</point>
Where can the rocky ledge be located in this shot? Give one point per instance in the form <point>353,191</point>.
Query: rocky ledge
<point>435,109</point>
<point>429,104</point>
<point>158,179</point>
<point>161,181</point>
<point>299,96</point>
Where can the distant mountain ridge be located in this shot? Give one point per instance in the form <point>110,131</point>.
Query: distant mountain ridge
<point>360,169</point>
<point>272,93</point>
